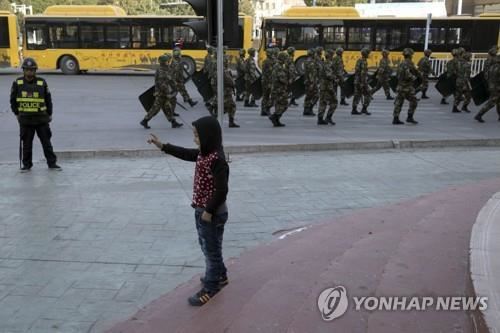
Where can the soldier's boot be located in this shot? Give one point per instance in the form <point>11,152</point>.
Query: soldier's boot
<point>455,109</point>
<point>410,119</point>
<point>292,102</point>
<point>272,118</point>
<point>321,121</point>
<point>239,98</point>
<point>479,117</point>
<point>365,111</point>
<point>308,112</point>
<point>176,114</point>
<point>232,124</point>
<point>443,101</point>
<point>175,124</point>
<point>465,108</point>
<point>253,104</point>
<point>329,120</point>
<point>389,97</point>
<point>264,111</point>
<point>247,104</point>
<point>144,123</point>
<point>343,102</point>
<point>355,110</point>
<point>278,122</point>
<point>192,103</point>
<point>424,94</point>
<point>396,121</point>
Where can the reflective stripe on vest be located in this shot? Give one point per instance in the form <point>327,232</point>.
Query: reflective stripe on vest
<point>20,82</point>
<point>31,97</point>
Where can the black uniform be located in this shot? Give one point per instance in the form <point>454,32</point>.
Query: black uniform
<point>31,102</point>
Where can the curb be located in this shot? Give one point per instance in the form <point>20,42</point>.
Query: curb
<point>248,149</point>
<point>484,265</point>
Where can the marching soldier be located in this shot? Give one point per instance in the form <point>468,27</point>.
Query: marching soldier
<point>463,88</point>
<point>310,82</point>
<point>178,72</point>
<point>384,72</point>
<point>492,53</point>
<point>240,71</point>
<point>292,71</point>
<point>31,102</point>
<point>425,69</point>
<point>494,88</point>
<point>251,75</point>
<point>361,89</point>
<point>165,92</point>
<point>338,63</point>
<point>327,94</point>
<point>319,67</point>
<point>208,59</point>
<point>407,73</point>
<point>267,82</point>
<point>452,68</point>
<point>280,88</point>
<point>229,86</point>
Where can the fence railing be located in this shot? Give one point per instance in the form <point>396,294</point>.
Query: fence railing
<point>439,65</point>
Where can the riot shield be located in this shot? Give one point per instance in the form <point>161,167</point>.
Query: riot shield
<point>480,92</point>
<point>256,89</point>
<point>349,86</point>
<point>298,88</point>
<point>147,98</point>
<point>240,85</point>
<point>445,85</point>
<point>202,83</point>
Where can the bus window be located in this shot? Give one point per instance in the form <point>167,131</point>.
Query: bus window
<point>35,37</point>
<point>458,37</point>
<point>92,36</point>
<point>145,37</point>
<point>334,37</point>
<point>396,39</point>
<point>359,37</point>
<point>417,35</point>
<point>437,36</point>
<point>4,33</point>
<point>381,38</point>
<point>117,37</point>
<point>303,37</point>
<point>184,37</point>
<point>63,36</point>
<point>276,37</point>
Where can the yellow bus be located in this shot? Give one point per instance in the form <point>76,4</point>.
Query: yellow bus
<point>82,38</point>
<point>9,45</point>
<point>333,27</point>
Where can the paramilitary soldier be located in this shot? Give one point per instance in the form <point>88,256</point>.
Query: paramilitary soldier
<point>384,72</point>
<point>31,102</point>
<point>407,73</point>
<point>165,92</point>
<point>451,69</point>
<point>310,82</point>
<point>327,93</point>
<point>267,82</point>
<point>492,54</point>
<point>251,75</point>
<point>361,89</point>
<point>425,69</point>
<point>229,87</point>
<point>494,88</point>
<point>338,63</point>
<point>240,72</point>
<point>178,72</point>
<point>462,85</point>
<point>280,88</point>
<point>292,71</point>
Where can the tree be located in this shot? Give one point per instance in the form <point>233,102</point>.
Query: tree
<point>334,3</point>
<point>246,7</point>
<point>5,5</point>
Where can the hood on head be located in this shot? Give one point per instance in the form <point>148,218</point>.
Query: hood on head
<point>209,133</point>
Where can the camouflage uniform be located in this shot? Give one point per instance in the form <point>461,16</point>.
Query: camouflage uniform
<point>384,72</point>
<point>425,69</point>
<point>229,87</point>
<point>267,82</point>
<point>407,73</point>
<point>492,53</point>
<point>338,64</point>
<point>494,88</point>
<point>240,72</point>
<point>165,92</point>
<point>311,83</point>
<point>292,71</point>
<point>327,94</point>
<point>178,72</point>
<point>361,89</point>
<point>463,88</point>
<point>251,75</point>
<point>280,88</point>
<point>208,59</point>
<point>451,69</point>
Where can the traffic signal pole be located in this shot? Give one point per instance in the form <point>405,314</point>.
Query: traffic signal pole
<point>220,64</point>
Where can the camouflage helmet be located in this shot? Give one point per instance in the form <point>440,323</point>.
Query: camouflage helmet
<point>210,49</point>
<point>29,63</point>
<point>454,52</point>
<point>339,51</point>
<point>310,52</point>
<point>408,52</point>
<point>365,52</point>
<point>467,56</point>
<point>290,50</point>
<point>330,52</point>
<point>385,52</point>
<point>427,52</point>
<point>493,51</point>
<point>177,52</point>
<point>243,52</point>
<point>251,51</point>
<point>319,50</point>
<point>461,51</point>
<point>282,56</point>
<point>164,58</point>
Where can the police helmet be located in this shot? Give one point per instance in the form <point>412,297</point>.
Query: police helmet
<point>339,51</point>
<point>330,52</point>
<point>29,63</point>
<point>290,50</point>
<point>428,52</point>
<point>210,49</point>
<point>408,52</point>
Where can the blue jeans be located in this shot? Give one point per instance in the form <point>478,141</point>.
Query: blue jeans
<point>210,236</point>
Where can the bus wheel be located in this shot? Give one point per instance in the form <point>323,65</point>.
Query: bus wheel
<point>299,65</point>
<point>189,65</point>
<point>69,65</point>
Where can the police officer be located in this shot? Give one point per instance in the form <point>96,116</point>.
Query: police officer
<point>361,89</point>
<point>494,88</point>
<point>338,64</point>
<point>31,102</point>
<point>280,88</point>
<point>310,82</point>
<point>178,72</point>
<point>240,72</point>
<point>292,71</point>
<point>425,69</point>
<point>251,75</point>
<point>384,72</point>
<point>165,92</point>
<point>407,73</point>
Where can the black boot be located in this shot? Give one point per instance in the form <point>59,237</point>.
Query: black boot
<point>292,102</point>
<point>479,117</point>
<point>455,109</point>
<point>365,111</point>
<point>144,123</point>
<point>272,118</point>
<point>232,124</point>
<point>278,122</point>
<point>175,124</point>
<point>443,101</point>
<point>343,102</point>
<point>192,103</point>
<point>247,104</point>
<point>396,121</point>
<point>308,112</point>
<point>410,119</point>
<point>465,109</point>
<point>389,97</point>
<point>424,94</point>
<point>265,112</point>
<point>321,121</point>
<point>329,120</point>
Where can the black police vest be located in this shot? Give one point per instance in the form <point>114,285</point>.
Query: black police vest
<point>31,97</point>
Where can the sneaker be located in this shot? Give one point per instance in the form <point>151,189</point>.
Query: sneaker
<point>223,281</point>
<point>201,297</point>
<point>55,167</point>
